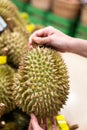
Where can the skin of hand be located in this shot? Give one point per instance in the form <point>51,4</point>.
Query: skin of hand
<point>34,124</point>
<point>49,36</point>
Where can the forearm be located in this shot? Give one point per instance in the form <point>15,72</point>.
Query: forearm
<point>78,46</point>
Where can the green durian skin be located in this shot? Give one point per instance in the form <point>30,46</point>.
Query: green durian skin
<point>42,83</point>
<point>16,43</point>
<point>6,91</point>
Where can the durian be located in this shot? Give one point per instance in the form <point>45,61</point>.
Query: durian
<point>42,83</point>
<point>10,13</point>
<point>15,35</point>
<point>6,91</point>
<point>16,43</point>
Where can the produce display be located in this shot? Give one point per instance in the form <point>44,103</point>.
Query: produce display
<point>31,81</point>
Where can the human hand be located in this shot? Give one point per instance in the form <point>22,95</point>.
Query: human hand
<point>51,37</point>
<point>2,108</point>
<point>34,125</point>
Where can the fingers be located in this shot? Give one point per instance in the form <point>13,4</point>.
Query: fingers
<point>39,33</point>
<point>53,120</point>
<point>45,124</point>
<point>2,108</point>
<point>41,40</point>
<point>30,126</point>
<point>35,126</point>
<point>34,123</point>
<point>39,121</point>
<point>41,36</point>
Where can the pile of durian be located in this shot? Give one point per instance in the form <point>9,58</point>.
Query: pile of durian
<point>32,81</point>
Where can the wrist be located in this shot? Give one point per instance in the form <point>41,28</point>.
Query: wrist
<point>78,46</point>
<point>70,44</point>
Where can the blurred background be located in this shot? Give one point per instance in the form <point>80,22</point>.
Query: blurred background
<point>70,17</point>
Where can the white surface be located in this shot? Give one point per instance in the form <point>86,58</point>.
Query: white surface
<point>75,110</point>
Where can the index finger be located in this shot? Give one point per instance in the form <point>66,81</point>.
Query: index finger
<point>44,32</point>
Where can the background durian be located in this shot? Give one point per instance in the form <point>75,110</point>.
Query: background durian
<point>6,83</point>
<point>16,43</point>
<point>15,37</point>
<point>10,14</point>
<point>41,85</point>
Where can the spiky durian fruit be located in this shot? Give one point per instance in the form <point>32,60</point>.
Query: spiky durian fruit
<point>2,45</point>
<point>10,13</point>
<point>41,85</point>
<point>16,43</point>
<point>6,91</point>
<point>15,37</point>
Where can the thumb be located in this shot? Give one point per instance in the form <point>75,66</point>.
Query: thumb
<point>41,40</point>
